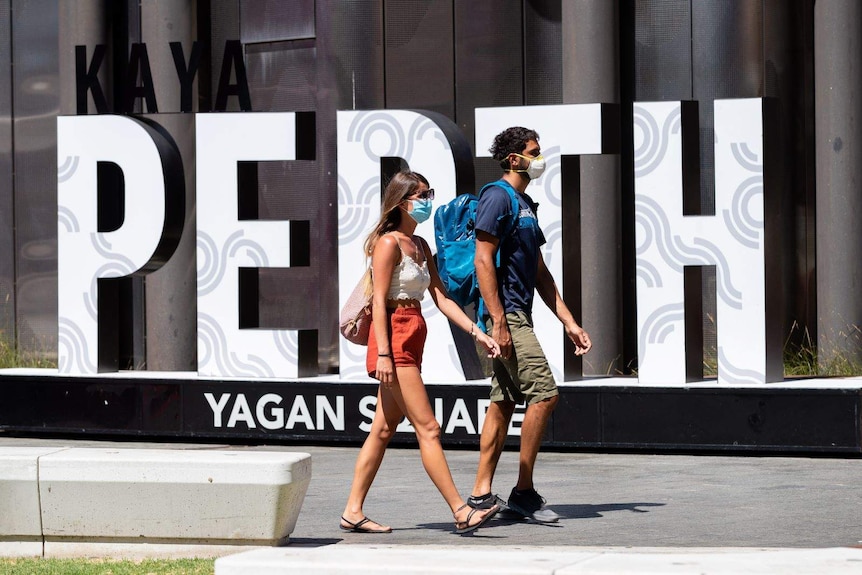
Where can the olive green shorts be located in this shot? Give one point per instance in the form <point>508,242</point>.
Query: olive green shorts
<point>526,375</point>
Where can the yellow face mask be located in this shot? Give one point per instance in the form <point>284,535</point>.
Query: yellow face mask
<point>536,167</point>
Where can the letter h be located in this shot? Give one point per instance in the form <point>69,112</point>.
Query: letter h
<point>738,241</point>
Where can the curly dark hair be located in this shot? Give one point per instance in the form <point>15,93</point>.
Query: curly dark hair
<point>511,141</point>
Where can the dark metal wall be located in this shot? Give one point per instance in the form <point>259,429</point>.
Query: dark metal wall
<point>419,55</point>
<point>435,55</point>
<point>321,56</point>
<point>591,51</point>
<point>703,51</point>
<point>35,104</point>
<point>837,32</point>
<point>488,65</point>
<point>543,52</point>
<point>788,79</point>
<point>7,202</point>
<point>164,335</point>
<point>281,57</point>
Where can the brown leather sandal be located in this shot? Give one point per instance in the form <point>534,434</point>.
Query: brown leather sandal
<point>463,527</point>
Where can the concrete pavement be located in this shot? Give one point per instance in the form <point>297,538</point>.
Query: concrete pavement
<point>536,560</point>
<point>621,513</point>
<point>605,500</point>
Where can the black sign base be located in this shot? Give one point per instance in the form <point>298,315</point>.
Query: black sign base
<point>801,416</point>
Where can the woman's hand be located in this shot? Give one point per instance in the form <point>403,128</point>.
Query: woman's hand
<point>488,342</point>
<point>385,370</point>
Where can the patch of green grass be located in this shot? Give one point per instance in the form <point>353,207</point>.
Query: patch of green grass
<point>32,566</point>
<point>11,357</point>
<point>801,356</point>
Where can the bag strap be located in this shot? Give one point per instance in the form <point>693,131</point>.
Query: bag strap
<point>482,311</point>
<point>516,209</point>
<point>421,245</point>
<point>513,197</point>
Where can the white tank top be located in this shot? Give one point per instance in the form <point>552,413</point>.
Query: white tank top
<point>409,279</point>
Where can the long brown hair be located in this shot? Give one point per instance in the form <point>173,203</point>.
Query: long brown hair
<point>400,187</point>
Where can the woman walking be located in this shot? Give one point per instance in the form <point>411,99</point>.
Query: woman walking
<point>402,270</point>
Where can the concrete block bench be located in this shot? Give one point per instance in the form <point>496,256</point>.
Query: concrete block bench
<point>104,500</point>
<point>20,515</point>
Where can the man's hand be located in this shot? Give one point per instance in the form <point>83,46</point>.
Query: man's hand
<point>500,333</point>
<point>580,338</point>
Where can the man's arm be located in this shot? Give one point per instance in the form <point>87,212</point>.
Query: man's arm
<point>547,288</point>
<point>486,273</point>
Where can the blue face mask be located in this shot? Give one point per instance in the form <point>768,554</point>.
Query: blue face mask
<point>421,210</point>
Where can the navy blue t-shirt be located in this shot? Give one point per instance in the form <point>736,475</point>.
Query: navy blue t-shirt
<point>519,250</point>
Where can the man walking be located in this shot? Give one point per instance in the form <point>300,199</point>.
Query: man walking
<point>521,373</point>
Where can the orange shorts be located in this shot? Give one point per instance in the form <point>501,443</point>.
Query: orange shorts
<point>407,332</point>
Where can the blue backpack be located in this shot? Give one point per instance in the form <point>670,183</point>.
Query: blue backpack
<point>455,236</point>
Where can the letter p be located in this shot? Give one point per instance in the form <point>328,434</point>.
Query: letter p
<point>149,193</point>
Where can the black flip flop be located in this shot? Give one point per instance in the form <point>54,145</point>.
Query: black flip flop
<point>358,526</point>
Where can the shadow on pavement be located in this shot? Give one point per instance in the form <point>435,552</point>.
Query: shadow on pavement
<point>591,511</point>
<point>312,541</point>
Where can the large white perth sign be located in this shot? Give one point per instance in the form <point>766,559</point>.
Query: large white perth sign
<point>668,242</point>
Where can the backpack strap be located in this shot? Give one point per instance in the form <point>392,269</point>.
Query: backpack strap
<point>513,197</point>
<point>516,209</point>
<point>482,311</point>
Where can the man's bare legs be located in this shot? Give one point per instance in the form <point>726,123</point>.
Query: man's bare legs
<point>493,436</point>
<point>532,431</point>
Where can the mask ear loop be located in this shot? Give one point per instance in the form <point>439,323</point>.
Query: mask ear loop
<point>509,167</point>
<point>512,169</point>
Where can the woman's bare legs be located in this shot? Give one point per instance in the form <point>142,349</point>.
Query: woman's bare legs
<point>412,398</point>
<point>387,416</point>
<point>406,396</point>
